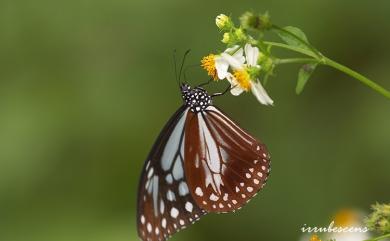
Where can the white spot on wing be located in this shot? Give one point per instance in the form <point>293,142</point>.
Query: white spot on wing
<point>150,172</point>
<point>225,197</point>
<point>189,207</point>
<point>199,192</point>
<point>173,144</point>
<point>164,223</point>
<point>214,197</point>
<point>213,159</point>
<point>149,227</point>
<point>174,212</point>
<point>155,195</point>
<point>162,206</point>
<point>178,171</point>
<point>183,189</point>
<point>223,154</point>
<point>171,196</point>
<point>169,178</point>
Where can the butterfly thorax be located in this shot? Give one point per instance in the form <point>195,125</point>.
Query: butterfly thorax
<point>197,99</point>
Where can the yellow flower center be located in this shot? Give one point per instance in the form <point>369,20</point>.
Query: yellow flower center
<point>345,218</point>
<point>243,79</point>
<point>315,238</point>
<point>208,63</point>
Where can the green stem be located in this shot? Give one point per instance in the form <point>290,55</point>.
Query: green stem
<point>357,76</point>
<point>295,61</point>
<point>292,48</point>
<point>379,238</point>
<point>326,61</point>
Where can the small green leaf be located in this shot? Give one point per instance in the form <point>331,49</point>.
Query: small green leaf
<point>303,76</point>
<point>293,36</point>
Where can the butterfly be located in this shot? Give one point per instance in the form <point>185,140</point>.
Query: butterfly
<point>202,162</point>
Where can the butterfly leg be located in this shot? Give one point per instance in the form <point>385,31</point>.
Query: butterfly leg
<point>224,92</point>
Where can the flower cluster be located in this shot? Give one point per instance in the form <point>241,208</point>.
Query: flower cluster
<point>379,220</point>
<point>241,64</point>
<point>247,62</point>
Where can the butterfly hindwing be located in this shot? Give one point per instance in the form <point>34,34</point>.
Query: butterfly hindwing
<point>165,204</point>
<point>225,166</point>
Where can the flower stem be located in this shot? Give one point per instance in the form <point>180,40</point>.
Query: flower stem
<point>357,76</point>
<point>295,61</point>
<point>292,48</point>
<point>379,238</point>
<point>326,61</point>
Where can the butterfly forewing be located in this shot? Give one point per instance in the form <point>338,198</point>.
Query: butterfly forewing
<point>224,166</point>
<point>165,204</point>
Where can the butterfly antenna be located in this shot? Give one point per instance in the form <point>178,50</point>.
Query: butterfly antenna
<point>175,66</point>
<point>183,61</point>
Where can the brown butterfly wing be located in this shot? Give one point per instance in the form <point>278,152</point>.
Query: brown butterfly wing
<point>165,204</point>
<point>224,165</point>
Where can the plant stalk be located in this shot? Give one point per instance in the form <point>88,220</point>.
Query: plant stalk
<point>379,238</point>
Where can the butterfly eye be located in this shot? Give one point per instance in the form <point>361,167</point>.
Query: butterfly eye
<point>202,162</point>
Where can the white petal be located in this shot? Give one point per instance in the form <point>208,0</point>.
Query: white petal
<point>237,90</point>
<point>239,56</point>
<point>252,55</point>
<point>235,87</point>
<point>238,53</point>
<point>234,63</point>
<point>232,49</point>
<point>231,79</point>
<point>260,93</point>
<point>222,66</point>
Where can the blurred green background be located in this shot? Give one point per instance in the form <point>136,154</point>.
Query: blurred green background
<point>86,86</point>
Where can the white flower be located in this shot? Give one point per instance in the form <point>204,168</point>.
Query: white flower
<point>240,79</point>
<point>347,225</point>
<point>217,66</point>
<point>349,218</point>
<point>222,63</point>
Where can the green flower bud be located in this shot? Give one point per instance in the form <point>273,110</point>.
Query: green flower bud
<point>266,63</point>
<point>252,21</point>
<point>240,35</point>
<point>223,22</point>
<point>226,38</point>
<point>237,36</point>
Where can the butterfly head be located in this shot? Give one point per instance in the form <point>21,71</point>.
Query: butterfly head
<point>197,99</point>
